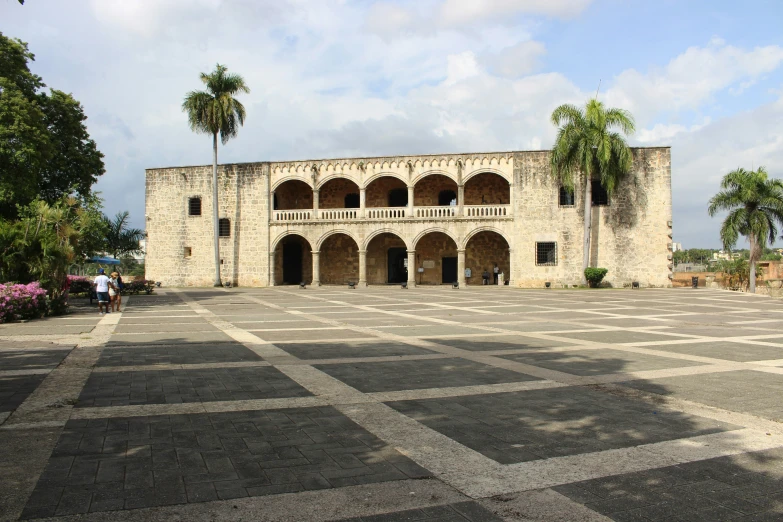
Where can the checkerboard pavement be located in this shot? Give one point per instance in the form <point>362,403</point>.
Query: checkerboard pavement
<point>380,404</point>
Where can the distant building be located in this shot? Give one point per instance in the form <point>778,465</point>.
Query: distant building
<point>725,255</point>
<point>676,247</point>
<point>690,267</point>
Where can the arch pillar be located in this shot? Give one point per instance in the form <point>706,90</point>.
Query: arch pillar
<point>460,200</point>
<point>510,277</point>
<point>362,266</point>
<point>316,268</point>
<point>461,267</point>
<point>412,268</point>
<point>316,193</point>
<point>272,268</point>
<point>410,201</point>
<point>362,205</point>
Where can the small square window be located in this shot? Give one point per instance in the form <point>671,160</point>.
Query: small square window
<point>546,254</point>
<point>194,206</point>
<point>188,251</point>
<point>566,198</point>
<point>599,196</point>
<point>224,227</point>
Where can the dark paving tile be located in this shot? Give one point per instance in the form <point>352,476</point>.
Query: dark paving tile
<point>180,353</point>
<point>500,342</point>
<point>351,349</point>
<point>459,512</point>
<point>31,359</point>
<point>744,391</point>
<point>14,390</point>
<point>133,462</point>
<point>598,362</point>
<point>746,487</point>
<point>727,350</point>
<point>178,386</point>
<point>531,425</point>
<point>420,374</point>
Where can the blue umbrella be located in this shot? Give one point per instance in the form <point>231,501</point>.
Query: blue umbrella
<point>104,260</point>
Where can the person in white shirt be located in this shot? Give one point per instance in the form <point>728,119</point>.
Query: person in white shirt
<point>102,284</point>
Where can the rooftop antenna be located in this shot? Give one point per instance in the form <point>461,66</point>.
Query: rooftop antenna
<point>598,89</point>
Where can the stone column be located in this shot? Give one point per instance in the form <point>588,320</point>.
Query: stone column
<point>271,206</point>
<point>410,201</point>
<point>362,206</point>
<point>316,268</point>
<point>362,266</point>
<point>315,205</point>
<point>461,268</point>
<point>412,268</point>
<point>460,200</point>
<point>510,276</point>
<point>271,269</point>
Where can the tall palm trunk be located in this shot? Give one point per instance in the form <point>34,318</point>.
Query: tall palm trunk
<point>588,226</point>
<point>215,209</point>
<point>752,261</point>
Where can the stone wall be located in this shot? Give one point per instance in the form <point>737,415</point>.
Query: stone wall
<point>377,194</point>
<point>378,257</point>
<point>430,251</point>
<point>339,260</point>
<point>486,188</point>
<point>482,252</point>
<point>332,193</point>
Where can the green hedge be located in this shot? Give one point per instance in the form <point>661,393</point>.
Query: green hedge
<point>594,276</point>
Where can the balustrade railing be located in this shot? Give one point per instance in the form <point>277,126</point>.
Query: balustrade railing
<point>338,213</point>
<point>434,212</point>
<point>469,211</point>
<point>292,215</point>
<point>385,213</point>
<point>487,210</point>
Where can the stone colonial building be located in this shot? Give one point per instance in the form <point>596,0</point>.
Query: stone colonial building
<point>432,219</point>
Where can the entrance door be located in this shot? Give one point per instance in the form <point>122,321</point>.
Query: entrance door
<point>292,263</point>
<point>449,265</point>
<point>396,263</point>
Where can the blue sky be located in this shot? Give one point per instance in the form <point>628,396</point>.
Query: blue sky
<point>338,77</point>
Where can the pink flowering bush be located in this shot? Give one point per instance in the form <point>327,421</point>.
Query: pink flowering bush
<point>19,302</point>
<point>78,284</point>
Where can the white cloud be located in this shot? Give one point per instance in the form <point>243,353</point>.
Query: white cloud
<point>461,12</point>
<point>516,60</point>
<point>692,78</point>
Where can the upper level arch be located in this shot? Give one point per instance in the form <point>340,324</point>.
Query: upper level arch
<point>337,176</point>
<point>446,173</point>
<point>382,174</point>
<point>482,170</point>
<point>286,179</point>
<point>487,188</point>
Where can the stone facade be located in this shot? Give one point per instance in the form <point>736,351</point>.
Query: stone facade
<point>505,204</point>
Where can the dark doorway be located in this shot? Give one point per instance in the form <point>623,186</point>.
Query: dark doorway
<point>396,262</point>
<point>292,263</point>
<point>449,270</point>
<point>398,197</point>
<point>446,198</point>
<point>351,200</point>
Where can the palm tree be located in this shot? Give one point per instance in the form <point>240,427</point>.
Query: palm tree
<point>121,240</point>
<point>755,205</point>
<point>216,111</point>
<point>588,146</point>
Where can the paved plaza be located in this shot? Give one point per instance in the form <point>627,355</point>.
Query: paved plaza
<point>390,404</point>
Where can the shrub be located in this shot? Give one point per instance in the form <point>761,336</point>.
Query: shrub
<point>20,302</point>
<point>79,284</point>
<point>138,286</point>
<point>594,276</point>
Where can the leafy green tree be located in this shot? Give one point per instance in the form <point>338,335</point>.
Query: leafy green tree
<point>590,145</point>
<point>45,150</point>
<point>121,240</point>
<point>216,111</point>
<point>755,206</point>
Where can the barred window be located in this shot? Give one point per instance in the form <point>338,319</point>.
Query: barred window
<point>566,198</point>
<point>599,196</point>
<point>224,227</point>
<point>546,254</point>
<point>194,206</point>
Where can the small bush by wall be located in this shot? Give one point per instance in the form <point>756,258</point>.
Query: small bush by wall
<point>594,276</point>
<point>20,302</point>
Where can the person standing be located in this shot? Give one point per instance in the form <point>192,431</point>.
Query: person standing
<point>495,272</point>
<point>114,292</point>
<point>102,284</point>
